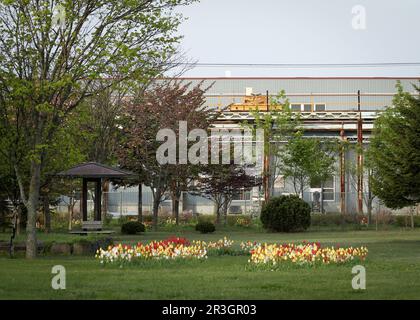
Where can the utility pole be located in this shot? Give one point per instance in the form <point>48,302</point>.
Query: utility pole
<point>359,158</point>
<point>342,172</point>
<point>267,101</point>
<point>266,178</point>
<point>267,151</point>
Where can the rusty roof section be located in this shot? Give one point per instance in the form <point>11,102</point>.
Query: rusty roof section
<point>95,170</point>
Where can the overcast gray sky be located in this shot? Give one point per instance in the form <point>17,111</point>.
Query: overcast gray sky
<point>301,31</point>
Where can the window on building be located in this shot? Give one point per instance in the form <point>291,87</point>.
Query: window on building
<point>279,182</point>
<point>329,189</point>
<point>242,195</point>
<point>295,107</point>
<point>307,107</point>
<point>319,107</point>
<point>328,193</point>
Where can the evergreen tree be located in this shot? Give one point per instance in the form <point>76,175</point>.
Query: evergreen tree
<point>395,152</point>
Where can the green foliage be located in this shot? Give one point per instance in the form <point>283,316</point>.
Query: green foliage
<point>286,214</point>
<point>220,183</point>
<point>132,227</point>
<point>147,218</point>
<point>207,218</point>
<point>395,152</point>
<point>140,150</point>
<point>108,219</point>
<point>49,68</point>
<point>241,220</point>
<point>336,219</point>
<point>278,126</point>
<point>405,221</point>
<point>323,220</point>
<point>307,160</point>
<point>384,220</point>
<point>205,227</point>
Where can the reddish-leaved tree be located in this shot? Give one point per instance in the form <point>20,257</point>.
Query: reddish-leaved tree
<point>162,106</point>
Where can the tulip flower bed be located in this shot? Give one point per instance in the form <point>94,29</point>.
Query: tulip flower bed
<point>248,246</point>
<point>169,249</point>
<point>262,255</point>
<point>273,255</point>
<point>219,247</point>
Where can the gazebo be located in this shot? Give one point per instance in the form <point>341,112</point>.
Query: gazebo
<point>93,172</point>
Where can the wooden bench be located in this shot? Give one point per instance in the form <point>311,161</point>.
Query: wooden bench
<point>91,225</point>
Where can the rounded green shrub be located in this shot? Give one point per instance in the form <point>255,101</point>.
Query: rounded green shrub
<point>286,214</point>
<point>132,227</point>
<point>205,227</point>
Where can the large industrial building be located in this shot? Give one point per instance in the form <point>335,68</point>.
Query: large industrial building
<point>329,107</point>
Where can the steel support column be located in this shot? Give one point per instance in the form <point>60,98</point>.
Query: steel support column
<point>342,172</point>
<point>359,158</point>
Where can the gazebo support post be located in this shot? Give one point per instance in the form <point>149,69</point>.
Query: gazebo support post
<point>98,200</point>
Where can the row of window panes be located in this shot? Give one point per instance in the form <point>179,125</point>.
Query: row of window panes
<point>242,195</point>
<point>307,107</point>
<point>328,195</point>
<point>328,188</point>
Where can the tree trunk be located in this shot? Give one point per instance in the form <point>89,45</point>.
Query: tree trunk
<point>369,209</point>
<point>225,210</point>
<point>32,205</point>
<point>156,202</point>
<point>105,194</point>
<point>47,213</point>
<point>412,217</point>
<point>301,188</point>
<point>14,228</point>
<point>370,197</point>
<point>175,196</point>
<point>217,203</point>
<point>265,178</point>
<point>18,219</point>
<point>69,211</point>
<point>175,208</point>
<point>140,204</point>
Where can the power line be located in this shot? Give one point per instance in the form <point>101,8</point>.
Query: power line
<point>304,65</point>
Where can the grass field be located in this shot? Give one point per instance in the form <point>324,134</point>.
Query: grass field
<point>392,272</point>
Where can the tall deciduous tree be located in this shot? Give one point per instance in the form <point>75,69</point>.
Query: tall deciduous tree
<point>395,152</point>
<point>278,125</point>
<point>52,53</point>
<point>64,151</point>
<point>162,106</point>
<point>368,171</point>
<point>306,161</point>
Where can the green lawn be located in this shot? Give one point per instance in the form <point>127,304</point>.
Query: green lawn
<point>392,268</point>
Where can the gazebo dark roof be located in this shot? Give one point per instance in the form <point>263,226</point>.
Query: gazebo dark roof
<point>95,170</point>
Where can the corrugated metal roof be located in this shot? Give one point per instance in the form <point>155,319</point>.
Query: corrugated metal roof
<point>303,85</point>
<point>337,93</point>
